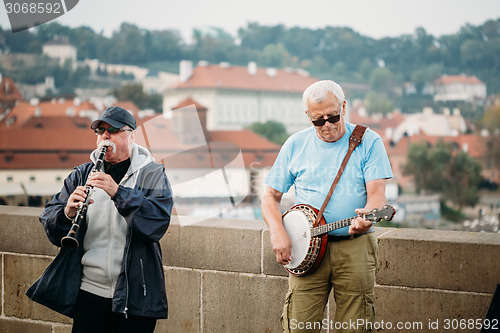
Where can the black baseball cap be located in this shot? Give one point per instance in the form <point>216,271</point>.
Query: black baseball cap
<point>117,117</point>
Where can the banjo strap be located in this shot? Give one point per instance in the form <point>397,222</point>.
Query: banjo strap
<point>354,141</point>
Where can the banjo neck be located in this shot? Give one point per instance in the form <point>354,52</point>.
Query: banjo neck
<point>323,229</point>
<point>387,213</point>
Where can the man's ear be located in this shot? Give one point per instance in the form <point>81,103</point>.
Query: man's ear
<point>308,118</point>
<point>131,137</point>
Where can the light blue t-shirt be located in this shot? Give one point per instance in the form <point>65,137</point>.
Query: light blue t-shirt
<point>311,164</point>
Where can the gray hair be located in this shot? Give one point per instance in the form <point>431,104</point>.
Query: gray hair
<point>318,91</point>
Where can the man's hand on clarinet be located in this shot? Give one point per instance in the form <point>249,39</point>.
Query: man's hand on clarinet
<point>74,201</point>
<point>103,181</point>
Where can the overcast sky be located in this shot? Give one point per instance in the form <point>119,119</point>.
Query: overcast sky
<point>374,18</point>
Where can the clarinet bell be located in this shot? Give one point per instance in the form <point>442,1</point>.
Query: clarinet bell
<point>70,240</point>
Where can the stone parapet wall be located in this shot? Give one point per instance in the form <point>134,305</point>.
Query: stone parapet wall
<point>221,276</point>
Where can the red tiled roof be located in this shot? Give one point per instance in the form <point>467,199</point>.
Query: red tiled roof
<point>238,77</point>
<point>24,111</point>
<point>8,91</point>
<point>158,135</point>
<point>245,139</point>
<point>475,143</point>
<point>47,139</point>
<point>392,120</point>
<point>463,79</point>
<point>58,143</point>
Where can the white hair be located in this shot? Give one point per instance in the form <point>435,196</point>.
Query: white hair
<point>318,91</point>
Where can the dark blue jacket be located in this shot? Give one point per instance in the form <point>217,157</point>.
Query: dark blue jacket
<point>140,289</point>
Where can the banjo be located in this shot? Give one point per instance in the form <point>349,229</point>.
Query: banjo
<point>309,241</point>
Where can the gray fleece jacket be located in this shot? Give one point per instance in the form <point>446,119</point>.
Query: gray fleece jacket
<point>106,234</point>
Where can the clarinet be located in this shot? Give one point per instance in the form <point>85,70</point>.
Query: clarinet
<point>70,241</point>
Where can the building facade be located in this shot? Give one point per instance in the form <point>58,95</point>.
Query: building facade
<point>461,88</point>
<point>237,96</point>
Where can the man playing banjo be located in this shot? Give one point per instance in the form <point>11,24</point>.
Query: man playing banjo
<point>309,160</point>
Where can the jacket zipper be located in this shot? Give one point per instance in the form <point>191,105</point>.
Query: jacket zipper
<point>126,276</point>
<point>142,274</point>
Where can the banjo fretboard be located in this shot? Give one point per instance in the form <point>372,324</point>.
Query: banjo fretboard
<point>323,229</point>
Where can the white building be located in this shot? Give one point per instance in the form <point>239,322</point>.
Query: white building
<point>237,96</point>
<point>459,88</point>
<point>429,123</point>
<point>62,50</point>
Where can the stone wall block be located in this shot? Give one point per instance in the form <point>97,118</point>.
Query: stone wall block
<point>8,325</point>
<point>20,272</point>
<point>423,309</point>
<point>235,302</point>
<point>450,260</point>
<point>22,232</point>
<point>218,244</point>
<point>183,295</point>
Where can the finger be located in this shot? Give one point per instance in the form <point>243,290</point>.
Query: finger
<point>78,196</point>
<point>283,261</point>
<point>361,212</point>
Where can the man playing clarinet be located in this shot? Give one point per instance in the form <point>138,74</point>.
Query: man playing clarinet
<point>113,280</point>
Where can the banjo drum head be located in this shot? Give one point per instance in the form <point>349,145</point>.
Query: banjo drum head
<point>298,228</point>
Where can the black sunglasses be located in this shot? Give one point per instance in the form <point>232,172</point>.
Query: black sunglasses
<point>322,121</point>
<point>111,130</point>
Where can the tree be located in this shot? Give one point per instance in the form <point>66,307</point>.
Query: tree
<point>382,80</point>
<point>366,68</point>
<point>425,170</point>
<point>377,102</point>
<point>134,92</point>
<point>128,46</point>
<point>418,79</point>
<point>272,130</point>
<point>212,44</point>
<point>256,36</point>
<point>491,118</point>
<point>438,169</point>
<point>491,121</point>
<point>273,55</point>
<point>462,181</point>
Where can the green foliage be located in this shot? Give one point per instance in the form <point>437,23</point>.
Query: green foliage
<point>462,180</point>
<point>491,118</point>
<point>274,55</point>
<point>378,102</point>
<point>66,79</point>
<point>382,81</point>
<point>451,214</point>
<point>440,169</point>
<point>272,130</point>
<point>339,53</point>
<point>134,92</point>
